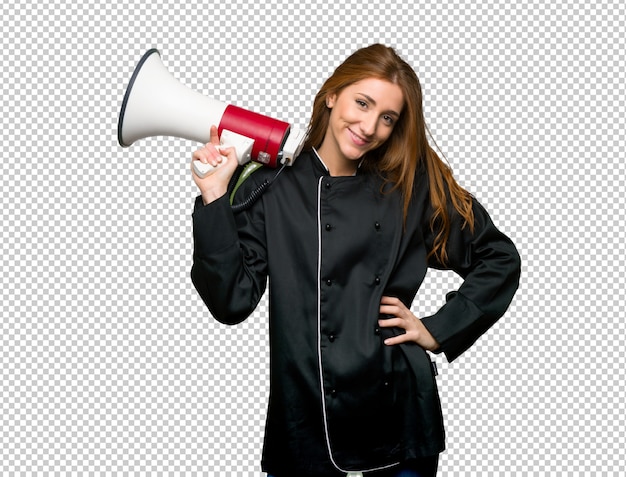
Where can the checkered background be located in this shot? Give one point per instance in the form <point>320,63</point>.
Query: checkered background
<point>109,362</point>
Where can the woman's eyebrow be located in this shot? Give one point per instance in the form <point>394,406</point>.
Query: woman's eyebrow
<point>371,100</point>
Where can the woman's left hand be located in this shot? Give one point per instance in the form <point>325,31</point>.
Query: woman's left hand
<point>402,317</point>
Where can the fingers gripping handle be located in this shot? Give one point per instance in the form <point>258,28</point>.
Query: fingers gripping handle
<point>243,150</point>
<point>202,170</point>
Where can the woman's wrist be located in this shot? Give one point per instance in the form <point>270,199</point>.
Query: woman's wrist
<point>213,194</point>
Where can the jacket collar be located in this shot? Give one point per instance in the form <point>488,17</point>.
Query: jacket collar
<point>320,162</point>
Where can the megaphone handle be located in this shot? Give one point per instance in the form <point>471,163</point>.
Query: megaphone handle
<point>243,148</point>
<point>202,170</point>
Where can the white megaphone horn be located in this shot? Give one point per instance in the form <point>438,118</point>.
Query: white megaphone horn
<point>157,104</point>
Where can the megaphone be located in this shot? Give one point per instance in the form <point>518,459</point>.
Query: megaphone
<point>157,104</point>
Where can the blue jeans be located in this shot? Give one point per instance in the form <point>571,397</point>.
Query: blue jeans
<point>426,467</point>
<point>406,473</point>
<point>398,473</point>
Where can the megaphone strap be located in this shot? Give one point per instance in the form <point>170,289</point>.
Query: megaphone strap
<point>247,172</point>
<point>256,193</point>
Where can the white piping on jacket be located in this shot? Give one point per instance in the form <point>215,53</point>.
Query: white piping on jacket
<point>319,338</point>
<point>319,319</point>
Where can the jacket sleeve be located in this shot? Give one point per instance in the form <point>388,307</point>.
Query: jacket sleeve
<point>229,261</point>
<point>490,265</point>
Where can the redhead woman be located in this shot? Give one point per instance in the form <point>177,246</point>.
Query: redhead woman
<point>344,238</point>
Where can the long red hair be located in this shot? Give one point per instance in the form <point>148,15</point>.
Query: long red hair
<point>407,149</point>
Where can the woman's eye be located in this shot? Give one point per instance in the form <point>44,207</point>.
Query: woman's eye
<point>388,120</point>
<point>361,103</point>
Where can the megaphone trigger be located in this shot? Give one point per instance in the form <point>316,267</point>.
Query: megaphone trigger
<point>243,145</point>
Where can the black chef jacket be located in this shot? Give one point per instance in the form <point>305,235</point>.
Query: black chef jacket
<point>340,400</point>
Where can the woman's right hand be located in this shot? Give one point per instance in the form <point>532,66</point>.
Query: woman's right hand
<point>214,185</point>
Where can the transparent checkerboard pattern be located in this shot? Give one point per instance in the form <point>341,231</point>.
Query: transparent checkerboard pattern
<point>109,362</point>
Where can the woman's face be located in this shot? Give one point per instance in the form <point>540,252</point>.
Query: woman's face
<point>362,118</point>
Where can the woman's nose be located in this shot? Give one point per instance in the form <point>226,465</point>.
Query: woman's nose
<point>368,125</point>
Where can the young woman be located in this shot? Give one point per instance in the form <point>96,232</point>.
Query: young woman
<point>345,237</point>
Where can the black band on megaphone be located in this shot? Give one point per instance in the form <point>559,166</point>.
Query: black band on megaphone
<point>120,122</point>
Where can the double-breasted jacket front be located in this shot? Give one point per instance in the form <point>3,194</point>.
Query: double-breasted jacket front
<point>340,399</point>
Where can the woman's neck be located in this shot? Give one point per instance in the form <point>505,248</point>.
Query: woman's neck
<point>337,167</point>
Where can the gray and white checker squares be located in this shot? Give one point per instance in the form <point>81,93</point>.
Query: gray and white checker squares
<point>109,362</point>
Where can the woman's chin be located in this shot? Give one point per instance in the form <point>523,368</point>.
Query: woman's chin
<point>354,153</point>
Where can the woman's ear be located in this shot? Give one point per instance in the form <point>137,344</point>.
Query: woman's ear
<point>330,100</point>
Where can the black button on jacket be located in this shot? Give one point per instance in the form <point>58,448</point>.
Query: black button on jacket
<point>341,400</point>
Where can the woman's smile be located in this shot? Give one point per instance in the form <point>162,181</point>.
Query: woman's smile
<point>357,139</point>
